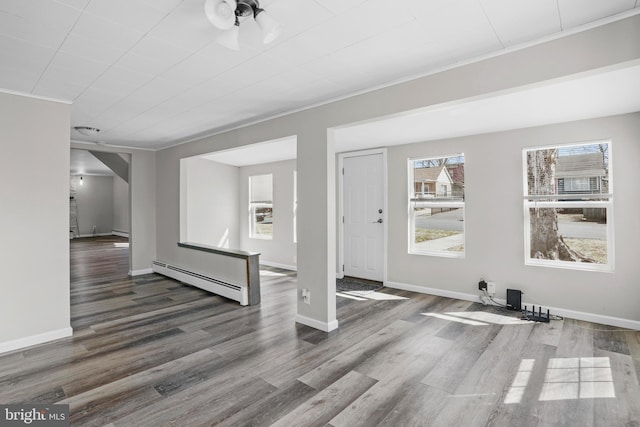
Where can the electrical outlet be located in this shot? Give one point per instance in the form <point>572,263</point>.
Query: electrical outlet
<point>306,296</point>
<point>491,288</point>
<point>482,285</point>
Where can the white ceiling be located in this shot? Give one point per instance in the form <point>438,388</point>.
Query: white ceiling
<point>149,75</point>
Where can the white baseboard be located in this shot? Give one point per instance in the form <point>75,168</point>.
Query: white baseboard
<point>323,326</point>
<point>80,236</point>
<point>120,233</point>
<point>433,291</point>
<point>277,265</point>
<point>35,340</point>
<point>140,272</point>
<point>578,315</point>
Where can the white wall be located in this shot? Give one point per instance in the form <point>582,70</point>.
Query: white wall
<point>34,225</point>
<point>209,192</point>
<point>95,204</point>
<point>615,44</point>
<point>494,226</point>
<point>280,251</point>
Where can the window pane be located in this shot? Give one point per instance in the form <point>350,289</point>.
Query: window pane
<point>438,178</point>
<point>261,205</point>
<point>436,194</point>
<point>261,188</point>
<point>575,235</point>
<point>438,229</point>
<point>570,170</point>
<point>263,221</point>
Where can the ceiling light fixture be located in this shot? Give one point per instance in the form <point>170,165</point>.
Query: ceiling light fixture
<point>86,130</point>
<point>226,15</point>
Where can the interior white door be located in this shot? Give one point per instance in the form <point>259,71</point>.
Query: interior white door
<point>363,192</point>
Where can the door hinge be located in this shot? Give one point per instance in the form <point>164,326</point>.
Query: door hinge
<point>343,219</point>
<point>342,171</point>
<point>343,268</point>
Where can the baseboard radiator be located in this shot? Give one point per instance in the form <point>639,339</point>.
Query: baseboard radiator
<point>228,290</point>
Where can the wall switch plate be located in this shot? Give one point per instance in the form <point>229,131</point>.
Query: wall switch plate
<point>306,296</point>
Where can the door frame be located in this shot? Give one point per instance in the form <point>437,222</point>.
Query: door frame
<point>339,171</point>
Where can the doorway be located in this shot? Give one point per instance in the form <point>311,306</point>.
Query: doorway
<point>362,201</point>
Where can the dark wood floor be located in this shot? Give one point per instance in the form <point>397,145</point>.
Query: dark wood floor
<point>151,351</point>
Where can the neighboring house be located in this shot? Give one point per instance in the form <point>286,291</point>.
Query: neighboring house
<point>432,182</point>
<point>581,174</point>
<point>456,172</point>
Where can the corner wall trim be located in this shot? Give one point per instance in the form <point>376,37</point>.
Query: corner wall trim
<point>35,339</point>
<point>323,326</point>
<point>578,315</point>
<point>140,272</point>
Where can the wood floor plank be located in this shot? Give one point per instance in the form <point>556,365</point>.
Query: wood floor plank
<point>321,408</point>
<point>335,368</point>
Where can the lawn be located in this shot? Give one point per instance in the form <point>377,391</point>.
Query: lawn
<point>596,249</point>
<point>424,234</point>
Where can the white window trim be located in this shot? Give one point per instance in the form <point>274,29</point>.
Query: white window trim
<point>531,202</point>
<point>411,249</point>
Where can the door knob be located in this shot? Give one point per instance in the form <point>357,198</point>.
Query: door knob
<point>379,221</point>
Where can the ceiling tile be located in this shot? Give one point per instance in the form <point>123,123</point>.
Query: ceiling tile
<point>107,32</point>
<point>517,21</point>
<point>32,31</point>
<point>47,13</point>
<point>78,4</point>
<point>287,13</point>
<point>94,101</point>
<point>163,5</point>
<point>215,88</point>
<point>121,80</point>
<point>153,56</point>
<point>187,27</point>
<point>578,12</point>
<point>58,89</point>
<point>17,80</point>
<point>340,6</point>
<point>377,17</point>
<point>458,19</point>
<point>196,69</point>
<point>256,70</point>
<point>326,38</point>
<point>157,91</point>
<point>80,71</point>
<point>78,45</point>
<point>134,14</point>
<point>19,55</point>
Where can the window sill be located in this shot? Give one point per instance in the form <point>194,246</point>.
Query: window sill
<point>459,255</point>
<point>570,265</point>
